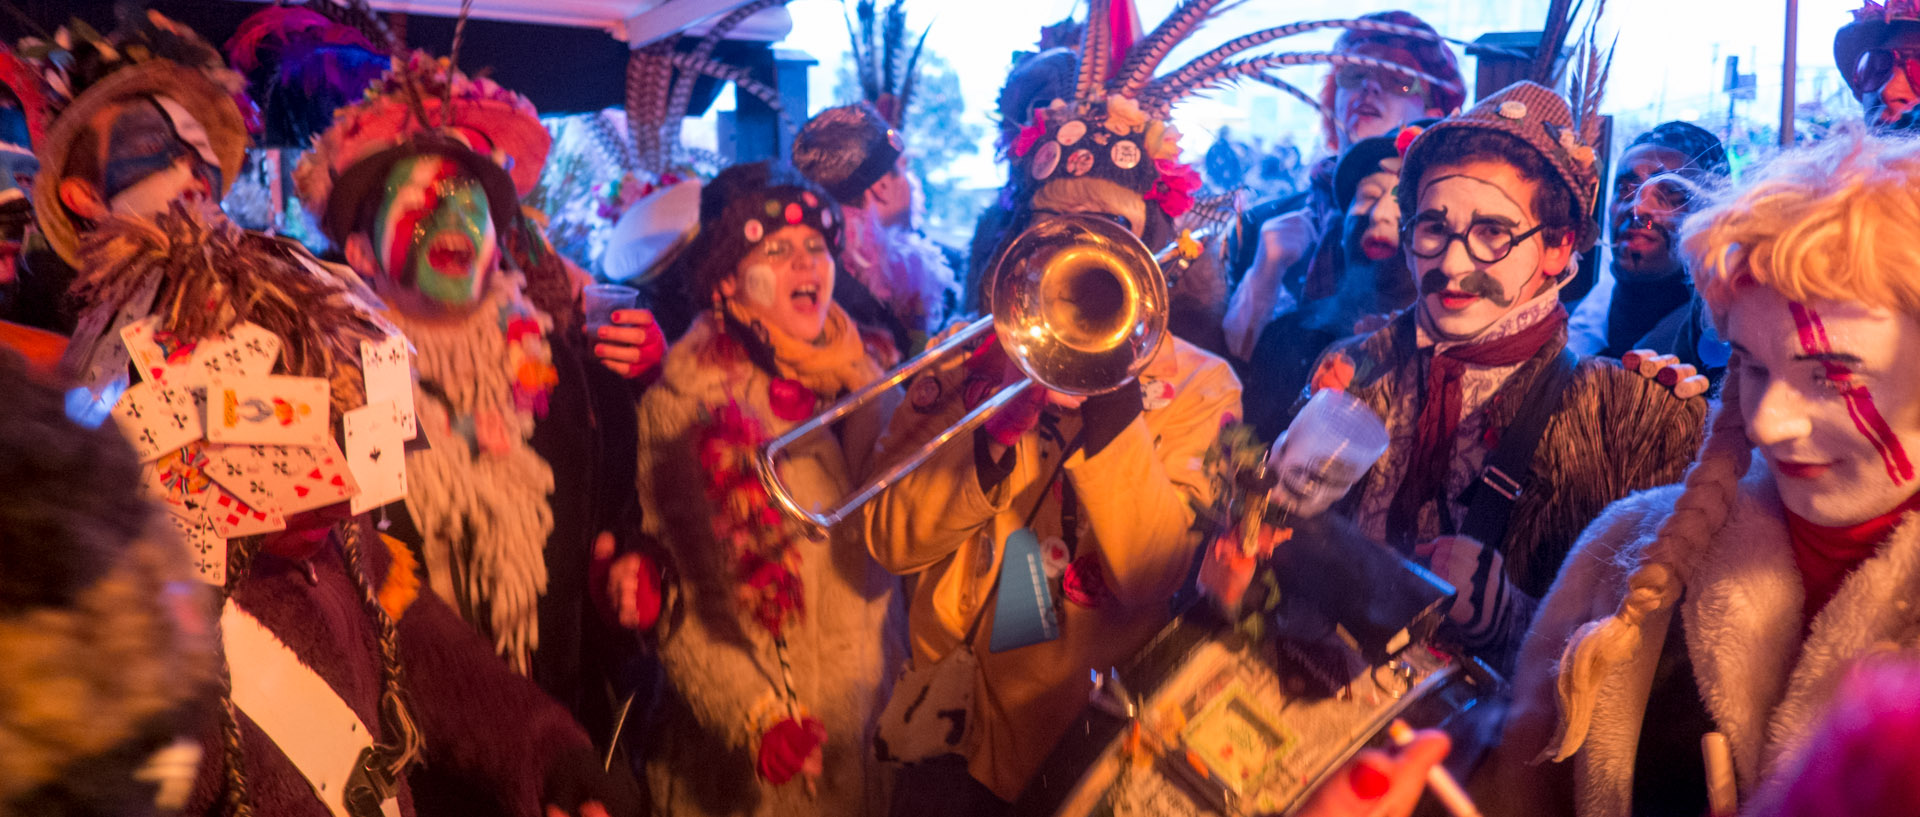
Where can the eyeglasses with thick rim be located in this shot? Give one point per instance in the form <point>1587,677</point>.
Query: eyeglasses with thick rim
<point>1877,65</point>
<point>1414,240</point>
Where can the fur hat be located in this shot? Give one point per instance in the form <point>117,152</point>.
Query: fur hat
<point>1873,24</point>
<point>424,105</point>
<point>846,149</point>
<point>1541,120</point>
<point>154,57</point>
<point>745,204</point>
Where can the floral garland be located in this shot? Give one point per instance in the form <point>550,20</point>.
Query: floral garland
<point>763,546</point>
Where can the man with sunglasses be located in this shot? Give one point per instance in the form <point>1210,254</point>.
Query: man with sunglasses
<point>1879,55</point>
<point>1644,299</point>
<point>1283,264</point>
<point>1504,444</point>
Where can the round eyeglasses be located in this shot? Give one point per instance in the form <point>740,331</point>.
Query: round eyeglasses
<point>1486,242</point>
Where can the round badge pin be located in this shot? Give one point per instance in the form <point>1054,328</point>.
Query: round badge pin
<point>755,231</point>
<point>1513,109</point>
<point>924,393</point>
<point>772,208</point>
<point>1126,154</point>
<point>811,199</point>
<point>1080,162</point>
<point>1046,158</point>
<point>1071,132</point>
<point>794,214</point>
<point>1054,557</point>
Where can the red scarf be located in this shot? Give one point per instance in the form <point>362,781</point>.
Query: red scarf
<point>1827,555</point>
<point>1433,434</point>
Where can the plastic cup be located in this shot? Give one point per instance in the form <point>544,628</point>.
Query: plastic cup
<point>600,300</point>
<point>1329,446</point>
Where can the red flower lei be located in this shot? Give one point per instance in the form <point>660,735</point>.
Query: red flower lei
<point>762,541</point>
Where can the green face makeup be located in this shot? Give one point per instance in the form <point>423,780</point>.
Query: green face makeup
<point>434,232</point>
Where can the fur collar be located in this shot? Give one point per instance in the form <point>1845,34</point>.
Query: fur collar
<point>1765,688</point>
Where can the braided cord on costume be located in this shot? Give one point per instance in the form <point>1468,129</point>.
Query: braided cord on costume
<point>236,801</point>
<point>400,736</point>
<point>1712,485</point>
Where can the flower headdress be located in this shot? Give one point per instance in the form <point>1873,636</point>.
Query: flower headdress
<point>1115,127</point>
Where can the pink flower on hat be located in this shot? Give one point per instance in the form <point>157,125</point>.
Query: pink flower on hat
<point>1036,128</point>
<point>1175,188</point>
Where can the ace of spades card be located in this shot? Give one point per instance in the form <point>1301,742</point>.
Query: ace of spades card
<point>205,547</point>
<point>389,377</point>
<point>274,409</point>
<point>157,419</point>
<point>376,455</point>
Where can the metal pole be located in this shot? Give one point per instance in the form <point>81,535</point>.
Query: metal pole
<point>1789,67</point>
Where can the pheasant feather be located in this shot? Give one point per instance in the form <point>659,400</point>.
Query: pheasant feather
<point>1161,96</point>
<point>912,74</point>
<point>1212,59</point>
<point>1146,56</point>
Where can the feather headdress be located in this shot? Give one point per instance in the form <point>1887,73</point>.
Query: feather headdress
<point>660,85</point>
<point>886,70</point>
<point>1115,127</point>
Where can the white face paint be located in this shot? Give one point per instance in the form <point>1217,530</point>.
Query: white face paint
<point>786,281</point>
<point>1490,203</point>
<point>1828,395</point>
<point>153,194</point>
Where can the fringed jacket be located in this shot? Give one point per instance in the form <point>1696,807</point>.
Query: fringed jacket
<point>1765,675</point>
<point>1615,432</point>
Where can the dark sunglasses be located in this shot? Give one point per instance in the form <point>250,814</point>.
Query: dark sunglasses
<point>1877,66</point>
<point>1353,77</point>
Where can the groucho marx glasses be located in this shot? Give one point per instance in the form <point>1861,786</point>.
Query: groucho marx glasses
<point>1487,242</point>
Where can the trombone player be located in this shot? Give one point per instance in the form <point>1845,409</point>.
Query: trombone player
<point>1050,540</point>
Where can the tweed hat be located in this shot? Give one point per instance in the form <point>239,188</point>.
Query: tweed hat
<point>1541,120</point>
<point>846,149</point>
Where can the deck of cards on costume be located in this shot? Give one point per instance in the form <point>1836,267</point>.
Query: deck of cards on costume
<point>232,449</point>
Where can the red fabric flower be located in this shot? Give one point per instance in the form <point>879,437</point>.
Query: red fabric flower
<point>1175,188</point>
<point>792,747</point>
<point>1083,583</point>
<point>1406,137</point>
<point>1335,372</point>
<point>1036,128</point>
<point>790,400</point>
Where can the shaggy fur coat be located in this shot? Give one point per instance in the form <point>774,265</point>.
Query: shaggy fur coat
<point>1615,432</point>
<point>721,665</point>
<point>1764,674</point>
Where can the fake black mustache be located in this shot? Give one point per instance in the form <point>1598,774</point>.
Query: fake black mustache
<point>1476,283</point>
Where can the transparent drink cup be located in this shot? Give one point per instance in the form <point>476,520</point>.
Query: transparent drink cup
<point>1329,446</point>
<point>599,301</point>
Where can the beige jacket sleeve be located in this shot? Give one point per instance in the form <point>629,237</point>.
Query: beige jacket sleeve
<point>1139,492</point>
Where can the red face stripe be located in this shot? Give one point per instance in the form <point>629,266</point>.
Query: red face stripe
<point>1860,406</point>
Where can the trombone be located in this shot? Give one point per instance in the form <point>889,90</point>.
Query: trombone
<point>1080,305</point>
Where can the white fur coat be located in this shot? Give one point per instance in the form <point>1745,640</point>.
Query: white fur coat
<point>1765,688</point>
<point>721,665</point>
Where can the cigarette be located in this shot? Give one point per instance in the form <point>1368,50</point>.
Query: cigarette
<point>1439,781</point>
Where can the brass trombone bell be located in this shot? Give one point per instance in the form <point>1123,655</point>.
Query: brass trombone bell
<point>1078,303</point>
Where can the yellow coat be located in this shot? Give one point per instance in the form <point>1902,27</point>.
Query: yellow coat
<point>1135,515</point>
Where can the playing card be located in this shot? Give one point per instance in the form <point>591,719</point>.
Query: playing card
<point>96,353</point>
<point>389,377</point>
<point>180,481</point>
<point>232,517</point>
<point>274,409</point>
<point>157,419</point>
<point>375,456</point>
<point>158,356</point>
<point>247,351</point>
<point>325,481</point>
<point>205,547</point>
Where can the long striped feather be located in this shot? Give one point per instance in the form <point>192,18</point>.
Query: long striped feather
<point>1145,57</point>
<point>740,77</point>
<point>1214,58</point>
<point>1161,97</point>
<point>1094,53</point>
<point>869,80</point>
<point>683,86</point>
<point>1553,38</point>
<point>893,36</point>
<point>1294,91</point>
<point>912,77</point>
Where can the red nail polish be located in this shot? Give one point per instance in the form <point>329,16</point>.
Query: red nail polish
<point>1368,782</point>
